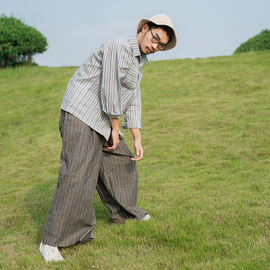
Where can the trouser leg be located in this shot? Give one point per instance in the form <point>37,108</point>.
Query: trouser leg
<point>71,218</point>
<point>118,184</point>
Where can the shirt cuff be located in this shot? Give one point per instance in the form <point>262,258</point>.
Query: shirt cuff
<point>131,124</point>
<point>112,115</point>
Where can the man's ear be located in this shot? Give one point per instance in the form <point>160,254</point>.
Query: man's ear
<point>145,28</point>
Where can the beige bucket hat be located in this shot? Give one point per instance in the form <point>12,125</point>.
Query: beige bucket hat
<point>160,19</point>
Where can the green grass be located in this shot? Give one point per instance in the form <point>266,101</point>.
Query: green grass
<point>204,178</point>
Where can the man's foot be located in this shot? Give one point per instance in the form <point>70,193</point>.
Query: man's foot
<point>50,253</point>
<point>146,217</point>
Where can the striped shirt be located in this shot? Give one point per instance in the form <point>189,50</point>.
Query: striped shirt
<point>108,84</point>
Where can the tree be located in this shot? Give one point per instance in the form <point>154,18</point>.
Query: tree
<point>19,42</point>
<point>259,42</point>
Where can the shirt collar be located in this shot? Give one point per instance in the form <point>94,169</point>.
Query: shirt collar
<point>136,50</point>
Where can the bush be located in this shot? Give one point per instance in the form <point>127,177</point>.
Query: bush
<point>19,42</point>
<point>259,42</point>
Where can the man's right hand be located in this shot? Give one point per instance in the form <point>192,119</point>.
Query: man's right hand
<point>114,138</point>
<point>113,141</point>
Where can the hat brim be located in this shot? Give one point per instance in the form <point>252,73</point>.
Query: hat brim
<point>173,41</point>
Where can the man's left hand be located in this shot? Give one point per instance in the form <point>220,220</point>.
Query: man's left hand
<point>138,150</point>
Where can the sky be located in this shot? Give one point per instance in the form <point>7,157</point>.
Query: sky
<point>74,29</point>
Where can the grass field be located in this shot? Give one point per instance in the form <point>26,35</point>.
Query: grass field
<point>204,178</point>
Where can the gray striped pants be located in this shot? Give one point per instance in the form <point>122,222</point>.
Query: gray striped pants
<point>86,166</point>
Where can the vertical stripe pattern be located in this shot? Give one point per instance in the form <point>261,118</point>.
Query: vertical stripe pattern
<point>85,166</point>
<point>108,84</point>
<point>118,184</point>
<point>71,218</point>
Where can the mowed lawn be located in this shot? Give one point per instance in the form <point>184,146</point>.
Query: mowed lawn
<point>204,178</point>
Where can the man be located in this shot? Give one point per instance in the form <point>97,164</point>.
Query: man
<point>94,155</point>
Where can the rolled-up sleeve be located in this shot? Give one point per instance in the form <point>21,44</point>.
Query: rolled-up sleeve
<point>117,61</point>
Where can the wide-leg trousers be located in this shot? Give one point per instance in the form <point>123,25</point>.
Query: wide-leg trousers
<point>85,166</point>
<point>118,183</point>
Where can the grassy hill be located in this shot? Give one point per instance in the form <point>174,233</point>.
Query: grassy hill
<point>204,178</point>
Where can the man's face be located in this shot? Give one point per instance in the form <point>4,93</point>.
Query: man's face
<point>146,43</point>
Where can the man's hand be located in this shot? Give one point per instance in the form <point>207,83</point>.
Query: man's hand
<point>137,144</point>
<point>114,138</point>
<point>138,151</point>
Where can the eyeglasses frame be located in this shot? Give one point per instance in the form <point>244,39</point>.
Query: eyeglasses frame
<point>161,46</point>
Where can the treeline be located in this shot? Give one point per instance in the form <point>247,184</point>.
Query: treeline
<point>259,42</point>
<point>19,42</point>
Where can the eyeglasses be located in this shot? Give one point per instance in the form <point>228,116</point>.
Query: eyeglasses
<point>161,46</point>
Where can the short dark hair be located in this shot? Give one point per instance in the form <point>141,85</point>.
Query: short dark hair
<point>166,28</point>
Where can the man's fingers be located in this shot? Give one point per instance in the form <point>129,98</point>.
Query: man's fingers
<point>111,148</point>
<point>138,156</point>
<point>113,141</point>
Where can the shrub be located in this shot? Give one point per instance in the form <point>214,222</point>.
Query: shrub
<point>19,42</point>
<point>259,42</point>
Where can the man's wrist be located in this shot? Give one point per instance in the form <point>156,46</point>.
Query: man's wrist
<point>115,124</point>
<point>136,133</point>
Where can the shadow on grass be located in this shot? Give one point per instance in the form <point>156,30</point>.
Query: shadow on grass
<point>38,201</point>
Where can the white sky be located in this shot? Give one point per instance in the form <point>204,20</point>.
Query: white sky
<point>75,28</point>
